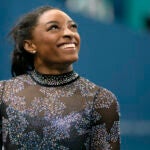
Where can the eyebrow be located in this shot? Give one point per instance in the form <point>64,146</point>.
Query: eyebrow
<point>49,22</point>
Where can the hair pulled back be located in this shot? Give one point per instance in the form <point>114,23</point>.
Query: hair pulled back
<point>23,61</point>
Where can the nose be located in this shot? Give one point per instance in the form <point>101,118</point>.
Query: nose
<point>68,33</point>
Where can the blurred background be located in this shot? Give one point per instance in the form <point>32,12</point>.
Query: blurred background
<point>115,54</point>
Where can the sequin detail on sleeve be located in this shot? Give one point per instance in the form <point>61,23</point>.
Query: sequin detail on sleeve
<point>101,139</point>
<point>1,90</point>
<point>105,117</point>
<point>104,99</point>
<point>115,132</point>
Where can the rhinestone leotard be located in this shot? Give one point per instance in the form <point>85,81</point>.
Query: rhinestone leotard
<point>57,112</point>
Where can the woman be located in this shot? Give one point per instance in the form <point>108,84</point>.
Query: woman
<point>47,105</point>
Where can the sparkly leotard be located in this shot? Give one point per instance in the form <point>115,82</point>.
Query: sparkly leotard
<point>57,112</point>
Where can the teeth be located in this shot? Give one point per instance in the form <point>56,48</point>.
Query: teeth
<point>68,46</point>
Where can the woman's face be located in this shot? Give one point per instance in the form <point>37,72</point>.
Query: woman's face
<point>56,39</point>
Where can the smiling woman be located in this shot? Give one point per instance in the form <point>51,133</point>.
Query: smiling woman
<point>47,105</point>
<point>57,45</point>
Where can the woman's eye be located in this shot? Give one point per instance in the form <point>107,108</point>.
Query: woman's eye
<point>53,27</point>
<point>74,26</point>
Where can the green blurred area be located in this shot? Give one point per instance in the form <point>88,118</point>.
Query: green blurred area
<point>137,14</point>
<point>133,13</point>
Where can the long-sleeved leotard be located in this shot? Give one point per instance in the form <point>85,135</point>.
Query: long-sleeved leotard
<point>58,112</point>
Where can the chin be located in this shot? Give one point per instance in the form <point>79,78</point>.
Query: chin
<point>74,59</point>
<point>71,60</point>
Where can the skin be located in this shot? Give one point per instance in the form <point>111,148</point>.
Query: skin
<point>54,29</point>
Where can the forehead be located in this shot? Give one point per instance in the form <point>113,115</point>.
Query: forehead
<point>52,15</point>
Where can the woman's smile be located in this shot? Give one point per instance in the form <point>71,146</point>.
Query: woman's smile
<point>68,46</point>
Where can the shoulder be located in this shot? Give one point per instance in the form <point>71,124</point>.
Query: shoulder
<point>103,95</point>
<point>86,87</point>
<point>87,83</point>
<point>106,99</point>
<point>2,82</point>
<point>106,94</point>
<point>15,81</point>
<point>102,92</point>
<point>105,102</point>
<point>20,78</point>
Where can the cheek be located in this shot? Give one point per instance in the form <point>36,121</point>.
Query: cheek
<point>43,38</point>
<point>46,39</point>
<point>45,42</point>
<point>79,41</point>
<point>78,38</point>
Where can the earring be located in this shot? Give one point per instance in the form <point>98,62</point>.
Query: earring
<point>33,52</point>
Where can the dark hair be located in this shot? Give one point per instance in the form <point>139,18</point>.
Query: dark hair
<point>23,61</point>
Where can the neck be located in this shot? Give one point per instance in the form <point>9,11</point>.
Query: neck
<point>54,70</point>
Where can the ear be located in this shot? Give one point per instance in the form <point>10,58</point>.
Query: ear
<point>29,46</point>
